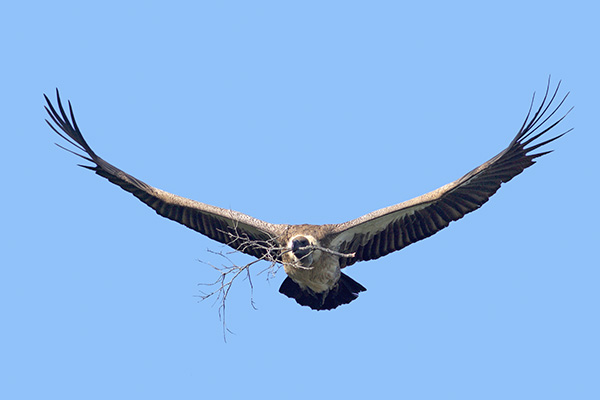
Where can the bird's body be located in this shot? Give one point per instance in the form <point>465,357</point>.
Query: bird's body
<point>314,255</point>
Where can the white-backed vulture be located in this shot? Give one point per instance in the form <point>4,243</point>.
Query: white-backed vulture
<point>314,275</point>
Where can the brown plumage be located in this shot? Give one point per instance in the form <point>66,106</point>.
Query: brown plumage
<point>314,275</point>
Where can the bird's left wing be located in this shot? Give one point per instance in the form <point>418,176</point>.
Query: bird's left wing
<point>390,229</point>
<point>240,231</point>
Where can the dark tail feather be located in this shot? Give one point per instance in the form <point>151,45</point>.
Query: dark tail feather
<point>346,290</point>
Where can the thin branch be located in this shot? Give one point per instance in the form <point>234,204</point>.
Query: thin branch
<point>325,250</point>
<point>271,252</point>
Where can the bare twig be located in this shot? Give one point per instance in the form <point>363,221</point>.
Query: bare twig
<point>271,252</point>
<point>231,271</point>
<point>326,250</point>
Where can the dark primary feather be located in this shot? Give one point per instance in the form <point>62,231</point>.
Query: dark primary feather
<point>240,231</point>
<point>390,229</point>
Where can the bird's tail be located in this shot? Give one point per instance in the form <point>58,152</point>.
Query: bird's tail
<point>345,291</point>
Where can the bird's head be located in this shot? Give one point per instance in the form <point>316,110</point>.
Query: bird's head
<point>300,248</point>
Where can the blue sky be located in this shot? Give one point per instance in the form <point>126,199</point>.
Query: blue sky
<point>297,112</point>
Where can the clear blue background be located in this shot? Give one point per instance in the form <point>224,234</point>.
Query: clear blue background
<point>297,112</point>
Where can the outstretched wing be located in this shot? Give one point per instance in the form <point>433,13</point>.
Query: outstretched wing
<point>240,231</point>
<point>392,228</point>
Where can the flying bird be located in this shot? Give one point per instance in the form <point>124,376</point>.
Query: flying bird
<point>314,255</point>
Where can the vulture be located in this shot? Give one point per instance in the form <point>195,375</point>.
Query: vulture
<point>314,255</point>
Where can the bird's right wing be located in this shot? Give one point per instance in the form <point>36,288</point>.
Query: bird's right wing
<point>239,231</point>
